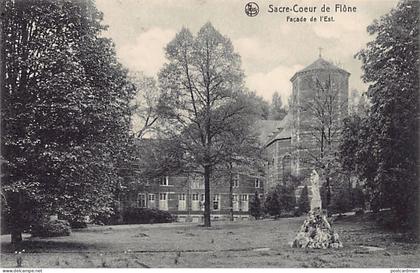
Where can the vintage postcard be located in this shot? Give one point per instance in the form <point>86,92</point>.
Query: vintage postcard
<point>209,134</point>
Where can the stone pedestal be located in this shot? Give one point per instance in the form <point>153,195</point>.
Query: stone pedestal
<point>316,232</point>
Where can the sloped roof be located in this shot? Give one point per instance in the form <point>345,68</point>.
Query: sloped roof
<point>320,64</point>
<point>265,128</point>
<point>270,130</point>
<point>284,131</point>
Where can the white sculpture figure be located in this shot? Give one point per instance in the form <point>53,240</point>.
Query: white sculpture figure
<point>316,232</point>
<point>316,197</point>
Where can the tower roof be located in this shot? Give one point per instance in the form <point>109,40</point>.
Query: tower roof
<point>320,64</point>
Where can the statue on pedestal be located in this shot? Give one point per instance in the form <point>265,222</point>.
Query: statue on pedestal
<point>316,203</point>
<point>316,232</point>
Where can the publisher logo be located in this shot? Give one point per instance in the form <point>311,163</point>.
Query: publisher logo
<point>252,9</point>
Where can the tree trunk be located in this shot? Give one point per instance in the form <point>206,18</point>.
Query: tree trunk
<point>231,192</point>
<point>16,236</point>
<point>15,218</point>
<point>207,172</point>
<point>328,193</point>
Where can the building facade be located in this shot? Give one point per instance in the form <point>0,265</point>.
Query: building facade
<point>183,196</point>
<point>319,96</point>
<point>289,146</point>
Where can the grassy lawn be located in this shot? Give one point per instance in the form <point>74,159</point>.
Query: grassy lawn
<point>262,243</point>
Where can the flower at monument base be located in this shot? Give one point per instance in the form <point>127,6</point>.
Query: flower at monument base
<point>301,240</point>
<point>316,232</point>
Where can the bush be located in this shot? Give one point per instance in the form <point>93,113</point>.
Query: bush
<point>280,200</point>
<point>272,204</point>
<point>51,228</point>
<point>341,201</point>
<point>255,206</point>
<point>359,212</point>
<point>78,224</point>
<point>303,202</point>
<point>146,216</point>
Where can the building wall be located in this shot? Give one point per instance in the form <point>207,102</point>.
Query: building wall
<point>302,126</point>
<point>276,153</point>
<point>184,195</point>
<point>303,139</point>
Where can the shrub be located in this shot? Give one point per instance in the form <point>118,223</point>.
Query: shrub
<point>146,216</point>
<point>255,206</point>
<point>341,201</point>
<point>303,202</point>
<point>51,228</point>
<point>272,204</point>
<point>78,224</point>
<point>358,197</point>
<point>280,200</point>
<point>359,212</point>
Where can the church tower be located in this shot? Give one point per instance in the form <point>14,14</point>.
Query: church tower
<point>318,105</point>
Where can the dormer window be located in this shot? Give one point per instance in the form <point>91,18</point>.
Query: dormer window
<point>236,181</point>
<point>164,181</point>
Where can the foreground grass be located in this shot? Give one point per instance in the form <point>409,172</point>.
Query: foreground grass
<point>262,243</point>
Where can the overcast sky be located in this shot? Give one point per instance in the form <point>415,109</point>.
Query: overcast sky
<point>272,49</point>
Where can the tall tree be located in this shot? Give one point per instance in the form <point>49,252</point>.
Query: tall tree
<point>243,151</point>
<point>322,127</point>
<point>65,111</point>
<point>390,64</point>
<point>201,85</point>
<point>261,106</point>
<point>145,112</point>
<point>277,110</point>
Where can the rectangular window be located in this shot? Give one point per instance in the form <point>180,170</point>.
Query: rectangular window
<point>244,202</point>
<point>141,198</point>
<point>216,202</point>
<point>235,202</point>
<point>162,196</point>
<point>195,197</point>
<point>151,197</point>
<point>236,181</point>
<point>182,204</point>
<point>202,197</point>
<point>257,183</point>
<point>164,181</point>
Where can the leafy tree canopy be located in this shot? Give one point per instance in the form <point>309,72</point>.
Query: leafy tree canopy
<point>65,109</point>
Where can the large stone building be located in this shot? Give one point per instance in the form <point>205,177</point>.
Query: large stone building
<point>287,144</point>
<point>319,103</point>
<point>183,196</point>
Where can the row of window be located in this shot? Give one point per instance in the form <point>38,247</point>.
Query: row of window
<point>164,181</point>
<point>194,197</point>
<point>257,182</point>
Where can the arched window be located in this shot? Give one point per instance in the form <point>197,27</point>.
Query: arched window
<point>287,168</point>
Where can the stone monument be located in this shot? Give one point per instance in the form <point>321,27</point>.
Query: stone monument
<point>316,203</point>
<point>316,232</point>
